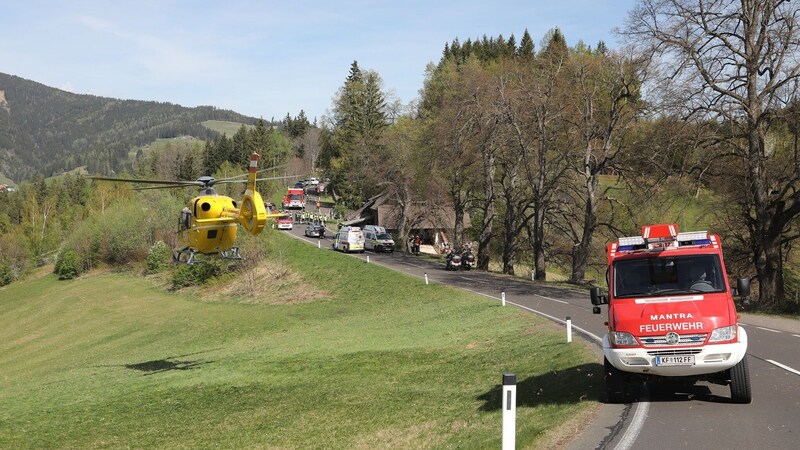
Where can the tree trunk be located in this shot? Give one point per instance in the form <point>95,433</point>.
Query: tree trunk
<point>580,252</point>
<point>458,209</point>
<point>486,232</point>
<point>768,227</point>
<point>769,270</point>
<point>539,262</point>
<point>509,240</point>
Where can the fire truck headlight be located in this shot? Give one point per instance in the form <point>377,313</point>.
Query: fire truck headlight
<point>622,338</point>
<point>723,334</point>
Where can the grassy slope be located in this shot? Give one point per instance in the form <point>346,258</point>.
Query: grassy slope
<point>380,361</point>
<point>6,180</point>
<point>223,127</point>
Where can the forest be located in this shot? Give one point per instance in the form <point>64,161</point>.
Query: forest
<point>551,150</point>
<point>47,131</point>
<point>554,151</point>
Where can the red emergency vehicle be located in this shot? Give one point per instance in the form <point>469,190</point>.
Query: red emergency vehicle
<point>295,198</point>
<point>671,315</point>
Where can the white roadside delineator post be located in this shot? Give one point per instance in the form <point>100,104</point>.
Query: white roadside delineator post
<point>367,259</point>
<point>319,244</point>
<point>426,278</point>
<point>509,411</point>
<point>503,297</point>
<point>569,329</point>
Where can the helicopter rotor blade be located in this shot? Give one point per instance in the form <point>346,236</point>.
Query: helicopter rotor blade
<point>258,171</point>
<point>141,188</point>
<point>228,180</point>
<point>135,180</point>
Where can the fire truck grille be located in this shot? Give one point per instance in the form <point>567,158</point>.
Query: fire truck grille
<point>683,351</point>
<point>661,341</point>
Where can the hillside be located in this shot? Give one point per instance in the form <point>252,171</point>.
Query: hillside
<point>325,357</point>
<point>46,130</point>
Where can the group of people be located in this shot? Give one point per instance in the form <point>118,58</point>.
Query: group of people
<point>414,243</point>
<point>308,217</point>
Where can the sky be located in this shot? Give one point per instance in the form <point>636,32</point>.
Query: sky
<point>266,58</point>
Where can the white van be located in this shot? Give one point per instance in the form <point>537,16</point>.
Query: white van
<point>378,239</point>
<point>349,239</point>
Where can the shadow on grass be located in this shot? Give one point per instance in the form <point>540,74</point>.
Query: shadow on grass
<point>572,385</point>
<point>167,364</point>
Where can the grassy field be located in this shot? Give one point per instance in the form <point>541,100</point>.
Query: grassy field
<point>333,353</point>
<point>224,127</point>
<point>6,180</point>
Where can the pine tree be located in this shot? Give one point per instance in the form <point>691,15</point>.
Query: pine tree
<point>359,121</point>
<point>512,46</point>
<point>601,49</point>
<point>555,45</point>
<point>526,47</point>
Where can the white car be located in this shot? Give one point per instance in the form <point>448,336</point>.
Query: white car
<point>313,181</point>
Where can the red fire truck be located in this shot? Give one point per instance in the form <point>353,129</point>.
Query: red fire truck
<point>671,315</point>
<point>295,198</point>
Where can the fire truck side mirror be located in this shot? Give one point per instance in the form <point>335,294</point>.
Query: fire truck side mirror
<point>743,287</point>
<point>597,299</point>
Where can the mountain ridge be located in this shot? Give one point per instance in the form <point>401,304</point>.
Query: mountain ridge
<point>45,130</point>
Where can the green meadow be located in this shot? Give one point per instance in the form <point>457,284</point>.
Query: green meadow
<point>325,351</point>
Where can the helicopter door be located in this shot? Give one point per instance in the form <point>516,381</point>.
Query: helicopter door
<point>184,219</point>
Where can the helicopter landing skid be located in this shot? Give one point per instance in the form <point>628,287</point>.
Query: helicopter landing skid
<point>233,253</point>
<point>190,256</point>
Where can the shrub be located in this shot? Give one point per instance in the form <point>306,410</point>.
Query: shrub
<point>158,257</point>
<point>14,256</point>
<point>6,275</point>
<point>125,231</point>
<point>68,265</point>
<point>195,274</point>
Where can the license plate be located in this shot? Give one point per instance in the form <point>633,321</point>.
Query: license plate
<point>675,360</point>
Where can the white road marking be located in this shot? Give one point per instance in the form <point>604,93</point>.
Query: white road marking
<point>552,299</point>
<point>784,367</point>
<point>768,329</point>
<point>637,423</point>
<point>796,335</point>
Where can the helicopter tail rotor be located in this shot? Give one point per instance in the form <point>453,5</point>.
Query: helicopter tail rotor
<point>253,213</point>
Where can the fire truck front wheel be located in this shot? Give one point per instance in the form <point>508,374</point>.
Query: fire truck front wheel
<point>616,387</point>
<point>740,382</point>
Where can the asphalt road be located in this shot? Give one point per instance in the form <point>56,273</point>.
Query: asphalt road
<point>700,416</point>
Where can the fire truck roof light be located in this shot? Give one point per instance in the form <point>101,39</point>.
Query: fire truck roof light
<point>693,236</point>
<point>632,240</point>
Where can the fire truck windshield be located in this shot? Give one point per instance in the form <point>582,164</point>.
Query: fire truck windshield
<point>659,275</point>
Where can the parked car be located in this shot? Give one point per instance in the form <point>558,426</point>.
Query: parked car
<point>285,222</point>
<point>316,230</point>
<point>313,181</point>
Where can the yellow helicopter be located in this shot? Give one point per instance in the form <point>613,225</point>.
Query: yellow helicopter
<point>208,224</point>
